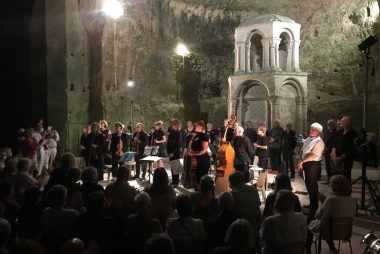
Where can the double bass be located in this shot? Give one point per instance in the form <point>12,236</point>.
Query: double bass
<point>190,165</point>
<point>226,157</point>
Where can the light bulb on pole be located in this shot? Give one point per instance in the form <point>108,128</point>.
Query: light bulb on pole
<point>113,8</point>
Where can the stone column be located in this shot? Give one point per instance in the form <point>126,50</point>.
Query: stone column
<point>299,117</point>
<point>237,57</point>
<point>274,100</point>
<point>272,55</point>
<point>296,56</point>
<point>248,57</point>
<point>276,45</point>
<point>94,25</point>
<point>265,44</point>
<point>304,115</point>
<point>289,60</point>
<point>242,56</point>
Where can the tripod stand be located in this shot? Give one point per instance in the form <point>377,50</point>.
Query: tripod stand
<point>365,182</point>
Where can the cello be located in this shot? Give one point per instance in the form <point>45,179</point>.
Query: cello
<point>190,165</point>
<point>226,157</point>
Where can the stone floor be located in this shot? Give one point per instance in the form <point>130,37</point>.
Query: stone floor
<point>363,223</point>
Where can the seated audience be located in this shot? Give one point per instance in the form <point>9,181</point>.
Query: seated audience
<point>73,246</point>
<point>285,226</point>
<point>74,195</point>
<point>9,209</point>
<point>120,195</point>
<point>239,239</point>
<point>58,175</point>
<point>56,221</point>
<point>338,204</point>
<point>5,234</point>
<point>247,201</point>
<point>162,195</point>
<point>187,233</point>
<point>10,169</point>
<point>140,227</point>
<point>89,183</point>
<point>96,229</point>
<point>23,180</point>
<point>282,183</point>
<point>219,225</point>
<point>159,244</point>
<point>28,246</point>
<point>205,205</point>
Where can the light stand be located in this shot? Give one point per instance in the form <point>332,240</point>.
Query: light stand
<point>365,47</point>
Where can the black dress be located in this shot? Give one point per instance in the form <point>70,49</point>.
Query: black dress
<point>203,161</point>
<point>159,136</point>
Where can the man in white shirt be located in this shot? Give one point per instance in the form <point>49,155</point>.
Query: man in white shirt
<point>311,164</point>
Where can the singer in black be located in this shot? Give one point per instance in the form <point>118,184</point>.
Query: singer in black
<point>94,149</point>
<point>140,141</point>
<point>199,145</point>
<point>243,152</point>
<point>173,147</point>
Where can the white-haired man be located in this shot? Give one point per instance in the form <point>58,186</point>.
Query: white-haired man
<point>311,164</point>
<point>243,152</point>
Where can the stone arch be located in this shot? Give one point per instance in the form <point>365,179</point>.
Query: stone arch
<point>293,108</point>
<point>254,51</point>
<point>253,103</point>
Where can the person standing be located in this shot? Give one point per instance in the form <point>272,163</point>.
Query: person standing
<point>288,146</point>
<point>140,140</point>
<point>243,152</point>
<point>174,148</point>
<point>343,151</point>
<point>198,148</point>
<point>311,164</point>
<point>329,139</point>
<point>276,135</point>
<point>212,136</point>
<point>159,139</point>
<point>51,137</point>
<point>118,146</point>
<point>262,147</point>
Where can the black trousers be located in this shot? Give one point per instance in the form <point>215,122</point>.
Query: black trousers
<point>275,158</point>
<point>244,168</point>
<point>175,177</point>
<point>328,165</point>
<point>287,155</point>
<point>348,164</point>
<point>312,170</point>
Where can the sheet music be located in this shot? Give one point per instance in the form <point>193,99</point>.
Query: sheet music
<point>177,166</point>
<point>151,158</point>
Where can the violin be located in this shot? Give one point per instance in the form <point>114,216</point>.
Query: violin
<point>119,148</point>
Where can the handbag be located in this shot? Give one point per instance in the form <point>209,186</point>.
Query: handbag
<point>151,150</point>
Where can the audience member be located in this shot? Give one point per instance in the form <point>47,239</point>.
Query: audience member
<point>23,179</point>
<point>329,138</point>
<point>219,225</point>
<point>9,209</point>
<point>73,246</point>
<point>56,221</point>
<point>239,239</point>
<point>205,205</point>
<point>338,204</point>
<point>74,194</point>
<point>162,195</point>
<point>27,246</point>
<point>282,183</point>
<point>89,183</point>
<point>187,233</point>
<point>10,169</point>
<point>5,234</point>
<point>284,227</point>
<point>120,195</point>
<point>288,146</point>
<point>141,226</point>
<point>276,135</point>
<point>58,175</point>
<point>159,244</point>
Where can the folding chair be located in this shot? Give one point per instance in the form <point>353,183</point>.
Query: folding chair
<point>335,229</point>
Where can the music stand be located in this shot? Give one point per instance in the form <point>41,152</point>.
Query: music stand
<point>150,160</point>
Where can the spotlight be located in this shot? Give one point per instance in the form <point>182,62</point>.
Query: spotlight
<point>130,82</point>
<point>372,242</point>
<point>367,43</point>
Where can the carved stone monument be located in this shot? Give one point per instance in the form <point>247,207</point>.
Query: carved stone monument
<point>267,83</point>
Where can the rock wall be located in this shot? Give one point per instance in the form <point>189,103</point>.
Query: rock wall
<point>141,45</point>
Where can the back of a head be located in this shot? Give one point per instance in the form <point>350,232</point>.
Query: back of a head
<point>23,164</point>
<point>73,175</point>
<point>143,202</point>
<point>283,182</point>
<point>184,205</point>
<point>284,201</point>
<point>95,201</point>
<point>226,201</point>
<point>123,173</point>
<point>159,244</point>
<point>236,179</point>
<point>11,164</point>
<point>340,185</point>
<point>57,196</point>
<point>160,179</point>
<point>73,246</point>
<point>207,184</point>
<point>5,232</point>
<point>68,160</point>
<point>89,175</point>
<point>240,236</point>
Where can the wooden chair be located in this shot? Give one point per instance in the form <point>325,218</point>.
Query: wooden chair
<point>335,229</point>
<point>261,184</point>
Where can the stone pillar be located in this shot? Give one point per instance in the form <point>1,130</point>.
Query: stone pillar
<point>289,60</point>
<point>276,54</point>
<point>274,100</point>
<point>296,56</point>
<point>248,57</point>
<point>266,54</point>
<point>237,57</point>
<point>304,115</point>
<point>272,55</point>
<point>242,66</point>
<point>94,25</point>
<point>299,115</point>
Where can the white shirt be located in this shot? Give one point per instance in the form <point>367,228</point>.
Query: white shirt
<point>313,145</point>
